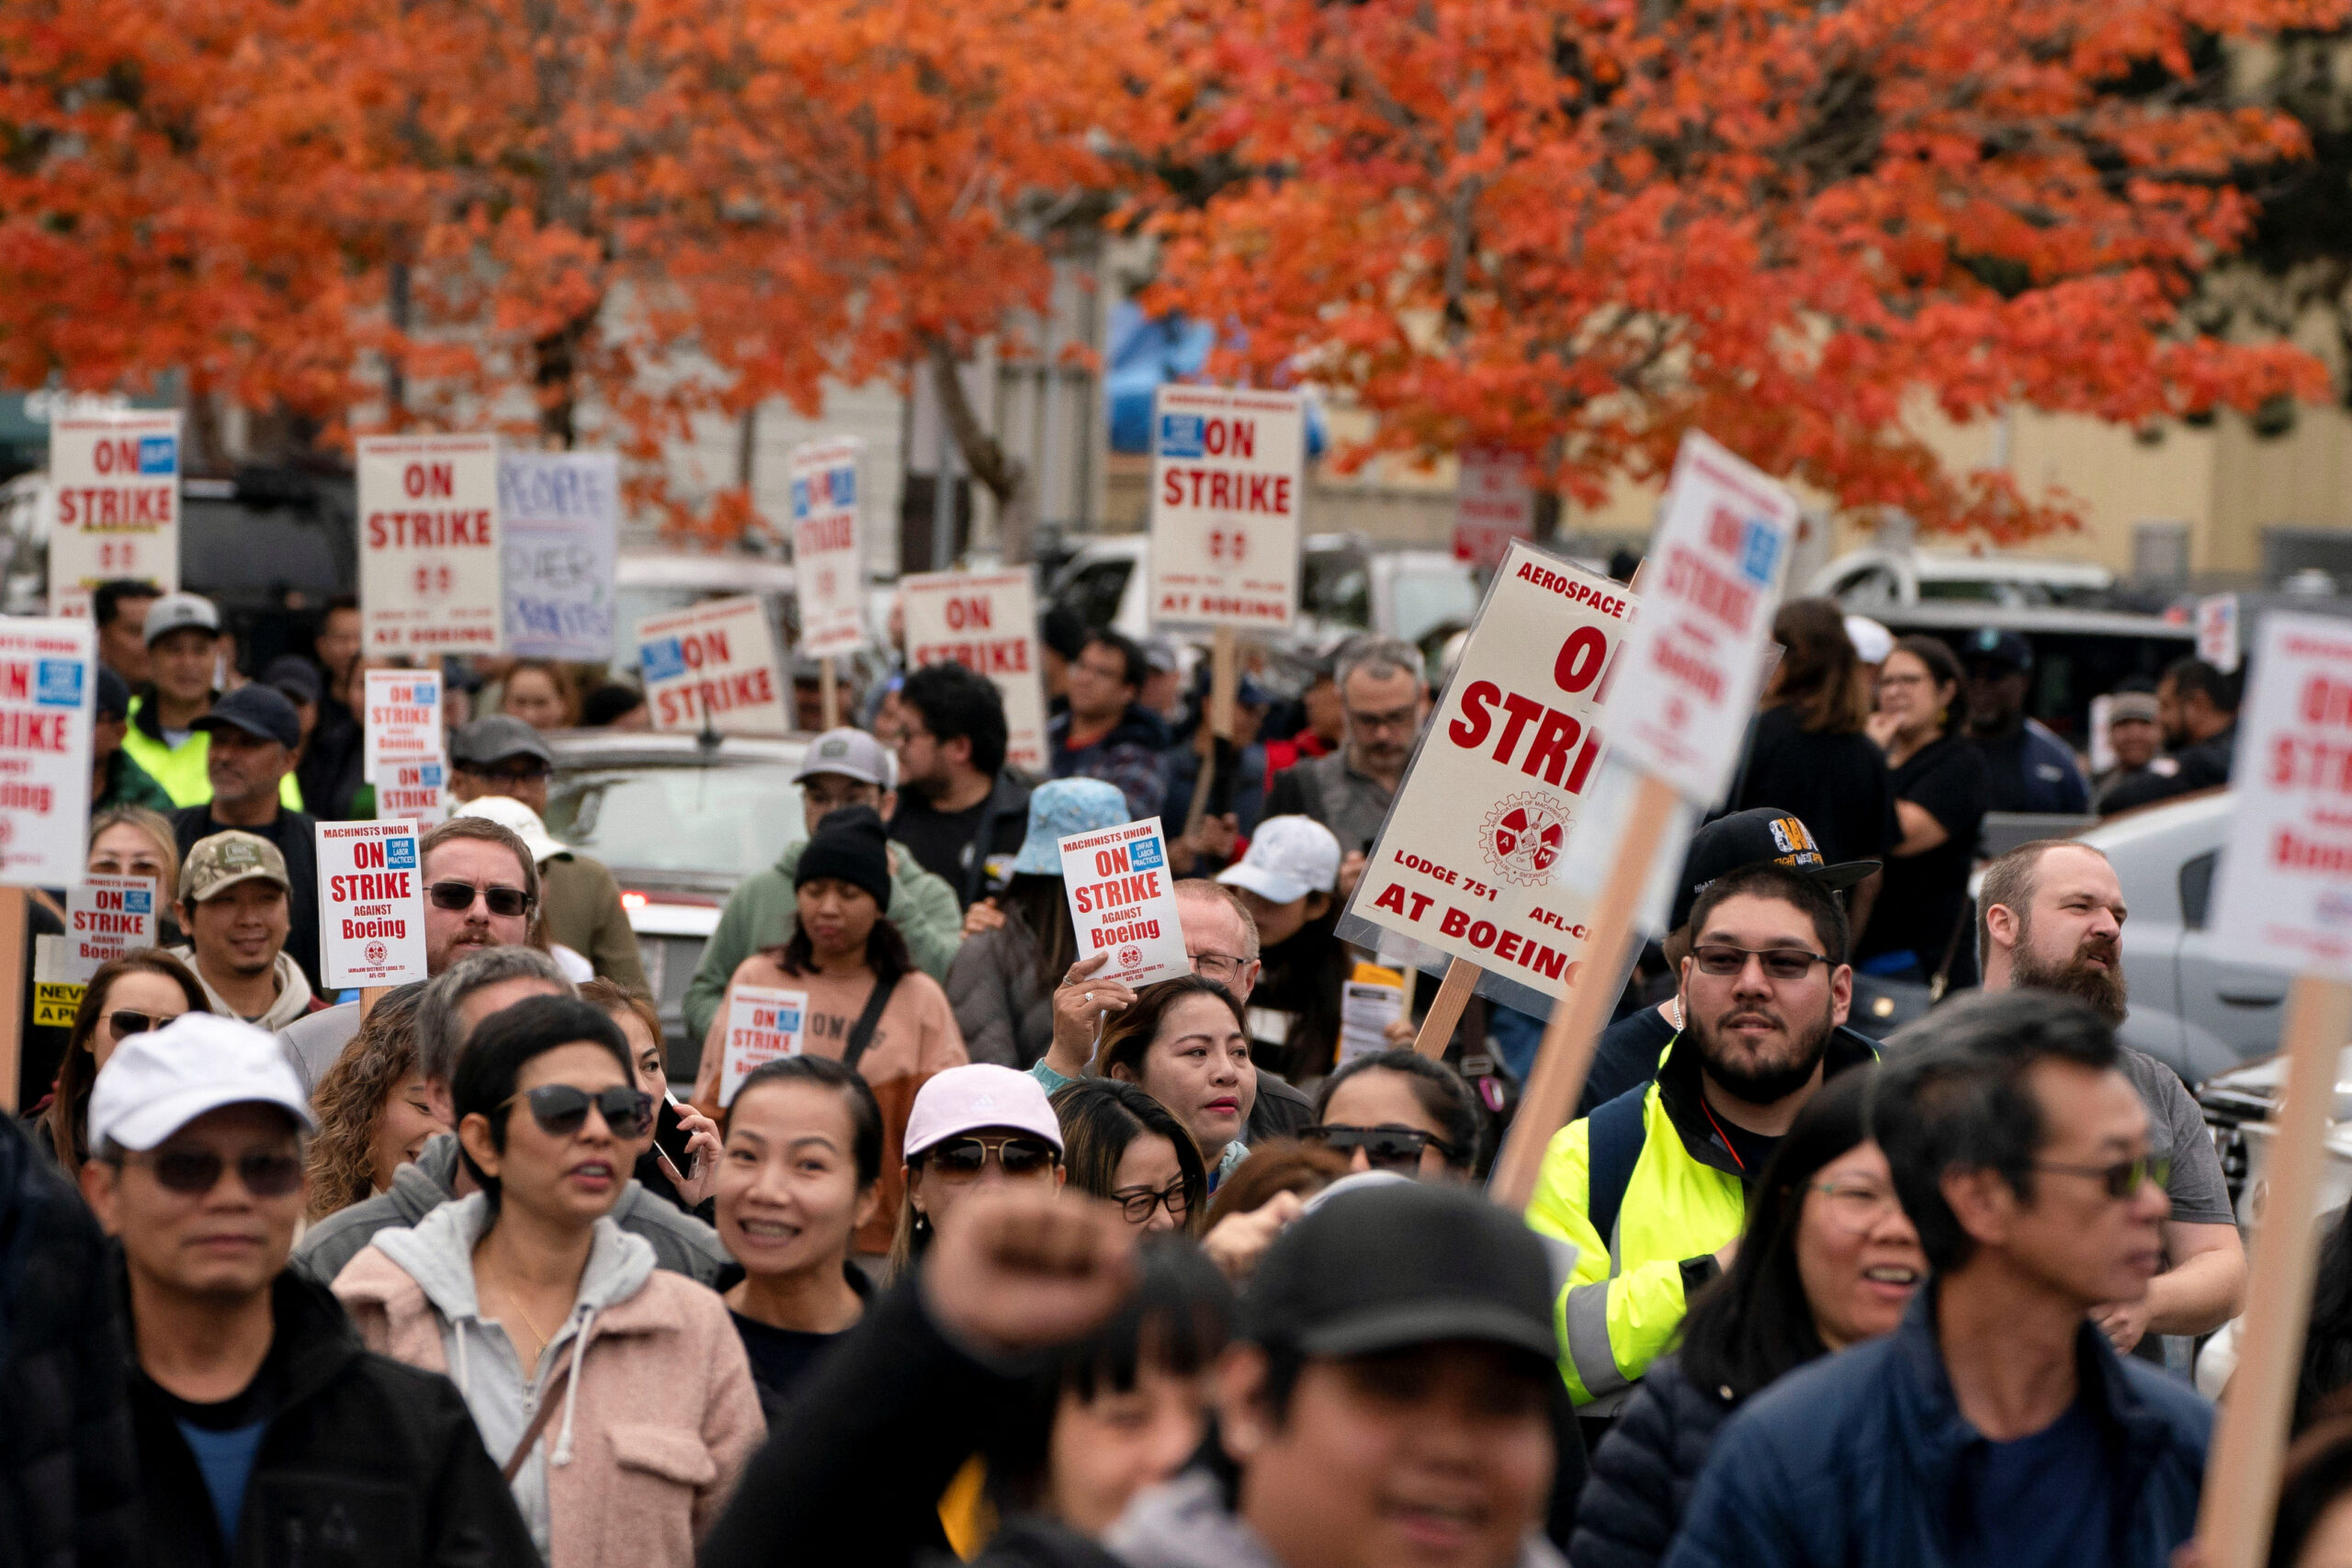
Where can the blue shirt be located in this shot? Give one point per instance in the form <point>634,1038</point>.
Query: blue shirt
<point>2043,1501</point>
<point>225,1458</point>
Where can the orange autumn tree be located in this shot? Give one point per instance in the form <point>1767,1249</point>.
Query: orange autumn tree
<point>1578,227</point>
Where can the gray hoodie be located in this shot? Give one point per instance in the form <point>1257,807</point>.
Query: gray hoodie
<point>681,1243</point>
<point>1184,1524</point>
<point>438,1254</point>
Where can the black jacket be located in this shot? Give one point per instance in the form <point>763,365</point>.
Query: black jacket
<point>69,1486</point>
<point>1644,1469</point>
<point>293,833</point>
<point>2201,766</point>
<point>365,1463</point>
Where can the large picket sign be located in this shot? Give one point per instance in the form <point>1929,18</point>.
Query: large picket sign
<point>2285,893</point>
<point>1229,477</point>
<point>429,568</point>
<point>114,479</point>
<point>559,515</point>
<point>48,688</point>
<point>1494,504</point>
<point>989,623</point>
<point>1466,863</point>
<point>717,657</point>
<point>828,545</point>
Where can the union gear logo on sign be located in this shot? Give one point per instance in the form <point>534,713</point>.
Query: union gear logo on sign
<point>1523,837</point>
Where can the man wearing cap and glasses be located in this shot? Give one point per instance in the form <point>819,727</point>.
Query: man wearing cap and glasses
<point>264,1431</point>
<point>841,767</point>
<point>182,633</point>
<point>233,901</point>
<point>2032,768</point>
<point>1385,697</point>
<point>254,734</point>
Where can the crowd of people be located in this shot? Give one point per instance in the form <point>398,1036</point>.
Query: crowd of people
<point>1011,1263</point>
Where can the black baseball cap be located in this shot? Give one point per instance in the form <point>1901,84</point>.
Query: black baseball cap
<point>260,710</point>
<point>114,694</point>
<point>1401,1264</point>
<point>1990,645</point>
<point>494,738</point>
<point>1749,837</point>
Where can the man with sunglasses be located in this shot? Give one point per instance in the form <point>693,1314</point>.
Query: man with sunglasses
<point>2050,917</point>
<point>252,735</point>
<point>1996,1423</point>
<point>262,1429</point>
<point>1652,1188</point>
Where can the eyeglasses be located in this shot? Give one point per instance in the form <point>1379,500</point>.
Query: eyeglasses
<point>195,1172</point>
<point>1780,963</point>
<point>1385,1147</point>
<point>2120,1179</point>
<point>1856,1207</point>
<point>528,773</point>
<point>1218,965</point>
<point>1137,1203</point>
<point>1396,719</point>
<point>506,901</point>
<point>962,1159</point>
<point>562,1111</point>
<point>126,1023</point>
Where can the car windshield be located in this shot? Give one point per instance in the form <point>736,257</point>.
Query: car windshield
<point>723,818</point>
<point>1446,596</point>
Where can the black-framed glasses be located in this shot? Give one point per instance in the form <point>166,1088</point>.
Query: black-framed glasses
<point>1137,1203</point>
<point>1780,963</point>
<point>127,1021</point>
<point>1016,1154</point>
<point>506,901</point>
<point>1385,1147</point>
<point>562,1111</point>
<point>192,1173</point>
<point>2121,1179</point>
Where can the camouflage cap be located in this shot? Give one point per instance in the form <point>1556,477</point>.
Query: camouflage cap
<point>226,859</point>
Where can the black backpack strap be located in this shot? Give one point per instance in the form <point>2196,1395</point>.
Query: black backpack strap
<point>861,1034</point>
<point>1616,1134</point>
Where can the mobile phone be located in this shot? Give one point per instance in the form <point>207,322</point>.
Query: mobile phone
<point>670,1137</point>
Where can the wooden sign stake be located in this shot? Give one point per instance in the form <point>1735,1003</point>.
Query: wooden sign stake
<point>1445,1008</point>
<point>13,990</point>
<point>1577,1018</point>
<point>829,701</point>
<point>2250,1440</point>
<point>1225,675</point>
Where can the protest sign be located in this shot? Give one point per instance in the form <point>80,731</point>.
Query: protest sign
<point>57,1000</point>
<point>988,622</point>
<point>559,516</point>
<point>828,545</point>
<point>1695,658</point>
<point>429,544</point>
<point>413,791</point>
<point>48,684</point>
<point>105,917</point>
<point>1124,903</point>
<point>371,904</point>
<point>2282,903</point>
<point>763,1024</point>
<point>1371,1000</point>
<point>715,662</point>
<point>1465,863</point>
<point>114,478</point>
<point>1493,505</point>
<point>2217,631</point>
<point>1228,482</point>
<point>402,721</point>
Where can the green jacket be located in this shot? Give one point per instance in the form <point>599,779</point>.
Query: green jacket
<point>581,908</point>
<point>128,784</point>
<point>764,912</point>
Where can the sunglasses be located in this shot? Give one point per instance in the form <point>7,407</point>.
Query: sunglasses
<point>195,1172</point>
<point>1137,1203</point>
<point>1780,963</point>
<point>506,901</point>
<point>1385,1148</point>
<point>562,1111</point>
<point>962,1159</point>
<point>2120,1179</point>
<point>126,1023</point>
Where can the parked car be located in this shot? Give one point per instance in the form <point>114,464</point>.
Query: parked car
<point>679,823</point>
<point>1880,577</point>
<point>2079,654</point>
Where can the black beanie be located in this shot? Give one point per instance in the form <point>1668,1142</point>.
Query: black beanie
<point>851,847</point>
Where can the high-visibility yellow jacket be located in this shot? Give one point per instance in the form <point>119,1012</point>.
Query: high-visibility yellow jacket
<point>180,769</point>
<point>1684,1199</point>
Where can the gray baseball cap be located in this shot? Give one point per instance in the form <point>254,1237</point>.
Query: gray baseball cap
<point>177,612</point>
<point>852,753</point>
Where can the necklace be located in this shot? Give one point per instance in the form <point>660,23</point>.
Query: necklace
<point>520,1310</point>
<point>1674,1018</point>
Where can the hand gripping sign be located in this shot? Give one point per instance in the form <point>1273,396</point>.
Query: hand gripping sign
<point>1467,863</point>
<point>47,690</point>
<point>429,537</point>
<point>371,904</point>
<point>714,663</point>
<point>105,917</point>
<point>763,1024</point>
<point>1124,903</point>
<point>116,478</point>
<point>828,559</point>
<point>1228,480</point>
<point>988,622</point>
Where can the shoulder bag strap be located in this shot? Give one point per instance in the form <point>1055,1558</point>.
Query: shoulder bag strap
<point>861,1034</point>
<point>1615,1137</point>
<point>548,1402</point>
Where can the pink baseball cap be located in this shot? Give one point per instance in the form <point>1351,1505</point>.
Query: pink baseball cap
<point>964,1099</point>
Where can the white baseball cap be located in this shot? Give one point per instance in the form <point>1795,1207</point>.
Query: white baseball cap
<point>517,819</point>
<point>1872,642</point>
<point>177,612</point>
<point>1289,858</point>
<point>158,1082</point>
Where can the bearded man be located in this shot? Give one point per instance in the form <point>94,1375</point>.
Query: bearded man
<point>1653,1187</point>
<point>2050,917</point>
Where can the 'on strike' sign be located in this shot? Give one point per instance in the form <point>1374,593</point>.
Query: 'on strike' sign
<point>105,917</point>
<point>48,687</point>
<point>371,904</point>
<point>1227,477</point>
<point>1123,903</point>
<point>828,561</point>
<point>116,478</point>
<point>763,1024</point>
<point>428,544</point>
<point>715,660</point>
<point>988,622</point>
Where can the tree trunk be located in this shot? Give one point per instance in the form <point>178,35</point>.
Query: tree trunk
<point>1006,476</point>
<point>555,374</point>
